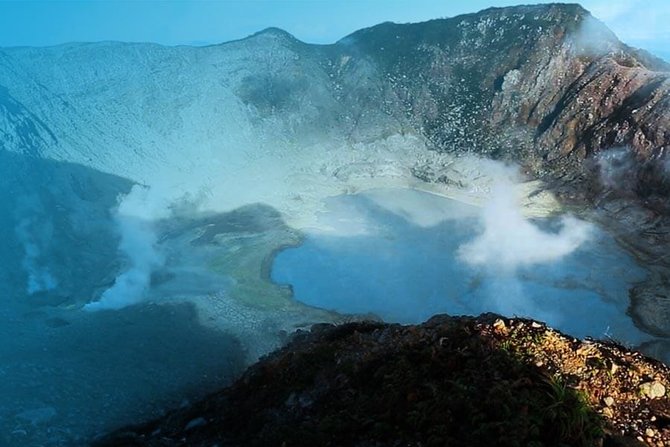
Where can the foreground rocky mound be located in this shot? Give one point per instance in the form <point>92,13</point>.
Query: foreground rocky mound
<point>450,381</point>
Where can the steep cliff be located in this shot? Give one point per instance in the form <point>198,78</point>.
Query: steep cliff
<point>548,86</point>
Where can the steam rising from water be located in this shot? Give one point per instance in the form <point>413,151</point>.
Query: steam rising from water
<point>509,240</point>
<point>135,217</point>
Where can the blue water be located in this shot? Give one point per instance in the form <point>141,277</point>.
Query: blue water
<point>406,272</point>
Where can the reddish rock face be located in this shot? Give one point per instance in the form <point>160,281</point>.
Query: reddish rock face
<point>609,105</point>
<point>547,86</point>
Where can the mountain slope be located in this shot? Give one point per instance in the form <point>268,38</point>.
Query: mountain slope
<point>547,86</point>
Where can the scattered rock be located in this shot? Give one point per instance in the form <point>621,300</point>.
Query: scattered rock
<point>653,390</point>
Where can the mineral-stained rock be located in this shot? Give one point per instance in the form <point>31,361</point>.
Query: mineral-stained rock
<point>652,390</point>
<point>548,86</point>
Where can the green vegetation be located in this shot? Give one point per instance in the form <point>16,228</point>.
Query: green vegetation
<point>570,413</point>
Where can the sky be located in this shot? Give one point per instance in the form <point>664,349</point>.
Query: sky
<point>641,23</point>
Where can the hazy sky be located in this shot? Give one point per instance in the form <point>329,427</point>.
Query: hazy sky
<point>642,23</point>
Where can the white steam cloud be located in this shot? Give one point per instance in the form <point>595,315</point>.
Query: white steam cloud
<point>509,240</point>
<point>135,216</point>
<point>33,231</point>
<point>594,38</point>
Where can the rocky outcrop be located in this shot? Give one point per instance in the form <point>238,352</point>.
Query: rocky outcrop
<point>548,86</point>
<point>20,128</point>
<point>450,381</point>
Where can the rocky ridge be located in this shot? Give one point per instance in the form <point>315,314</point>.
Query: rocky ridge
<point>547,86</point>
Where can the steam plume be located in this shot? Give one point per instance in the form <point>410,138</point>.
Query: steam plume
<point>135,217</point>
<point>509,240</point>
<point>33,233</point>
